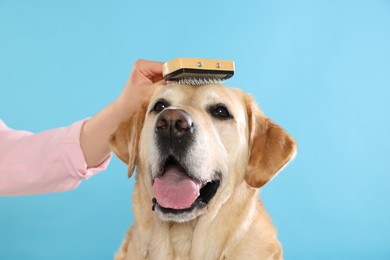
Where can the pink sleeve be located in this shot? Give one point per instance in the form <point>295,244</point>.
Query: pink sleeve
<point>50,161</point>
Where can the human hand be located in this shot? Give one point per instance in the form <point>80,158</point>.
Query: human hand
<point>144,77</point>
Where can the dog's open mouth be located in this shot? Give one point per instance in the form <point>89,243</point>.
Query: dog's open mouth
<point>177,192</point>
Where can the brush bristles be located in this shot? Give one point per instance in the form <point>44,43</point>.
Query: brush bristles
<point>198,81</point>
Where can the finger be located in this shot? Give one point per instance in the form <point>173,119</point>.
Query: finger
<point>150,68</point>
<point>146,70</point>
<point>157,78</point>
<point>160,82</point>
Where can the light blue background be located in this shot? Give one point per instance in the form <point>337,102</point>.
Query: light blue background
<point>321,69</point>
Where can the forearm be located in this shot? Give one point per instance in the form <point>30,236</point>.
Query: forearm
<point>97,130</point>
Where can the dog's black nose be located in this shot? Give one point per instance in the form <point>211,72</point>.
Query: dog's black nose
<point>176,122</point>
<point>175,131</point>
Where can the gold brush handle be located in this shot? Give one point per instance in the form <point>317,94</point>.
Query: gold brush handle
<point>197,64</point>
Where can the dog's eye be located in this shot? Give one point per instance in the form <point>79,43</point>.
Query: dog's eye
<point>160,105</point>
<point>220,111</point>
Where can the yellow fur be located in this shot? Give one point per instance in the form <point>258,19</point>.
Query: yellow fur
<point>248,150</point>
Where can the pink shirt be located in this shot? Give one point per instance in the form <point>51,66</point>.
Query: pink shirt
<point>50,161</point>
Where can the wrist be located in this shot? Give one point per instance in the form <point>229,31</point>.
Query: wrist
<point>122,110</point>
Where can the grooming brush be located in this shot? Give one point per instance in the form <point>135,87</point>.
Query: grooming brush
<point>193,71</point>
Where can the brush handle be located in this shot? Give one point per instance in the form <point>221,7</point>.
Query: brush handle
<point>197,64</point>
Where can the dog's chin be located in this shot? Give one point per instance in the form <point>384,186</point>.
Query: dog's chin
<point>180,217</point>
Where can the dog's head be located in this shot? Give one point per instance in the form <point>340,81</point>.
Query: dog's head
<point>194,144</point>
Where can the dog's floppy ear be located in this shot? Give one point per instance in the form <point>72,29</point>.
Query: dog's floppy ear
<point>270,147</point>
<point>124,141</point>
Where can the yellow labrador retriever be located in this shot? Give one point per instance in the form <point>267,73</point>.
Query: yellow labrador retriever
<point>201,153</point>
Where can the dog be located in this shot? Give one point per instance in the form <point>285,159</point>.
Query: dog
<point>201,154</point>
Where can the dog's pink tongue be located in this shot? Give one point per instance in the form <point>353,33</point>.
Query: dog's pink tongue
<point>175,190</point>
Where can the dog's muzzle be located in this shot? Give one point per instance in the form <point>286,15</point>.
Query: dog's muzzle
<point>176,190</point>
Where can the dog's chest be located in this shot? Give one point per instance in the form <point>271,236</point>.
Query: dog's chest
<point>181,240</point>
<point>165,241</point>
